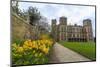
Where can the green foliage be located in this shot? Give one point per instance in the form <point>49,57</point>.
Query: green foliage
<point>87,49</point>
<point>34,15</point>
<point>17,41</point>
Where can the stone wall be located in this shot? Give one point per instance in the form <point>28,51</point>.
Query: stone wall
<point>20,29</point>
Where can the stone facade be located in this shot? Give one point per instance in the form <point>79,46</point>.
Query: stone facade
<point>75,32</point>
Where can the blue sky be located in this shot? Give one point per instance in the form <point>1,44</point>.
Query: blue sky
<point>74,13</point>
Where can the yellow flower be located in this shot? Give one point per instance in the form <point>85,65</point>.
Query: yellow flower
<point>30,44</point>
<point>26,43</point>
<point>33,51</point>
<point>40,54</point>
<point>36,46</point>
<point>33,42</point>
<point>25,47</point>
<point>45,50</point>
<point>33,46</point>
<point>14,45</point>
<point>20,49</point>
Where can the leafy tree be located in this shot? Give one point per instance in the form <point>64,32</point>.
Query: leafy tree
<point>34,15</point>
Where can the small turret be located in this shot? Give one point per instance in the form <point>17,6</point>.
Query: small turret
<point>54,28</point>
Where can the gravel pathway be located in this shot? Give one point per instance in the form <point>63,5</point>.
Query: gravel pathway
<point>60,53</point>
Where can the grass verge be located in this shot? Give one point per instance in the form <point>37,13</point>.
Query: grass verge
<point>87,49</point>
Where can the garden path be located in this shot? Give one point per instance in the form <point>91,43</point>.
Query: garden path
<point>60,53</point>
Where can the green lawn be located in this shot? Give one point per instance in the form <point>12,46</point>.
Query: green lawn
<point>86,49</point>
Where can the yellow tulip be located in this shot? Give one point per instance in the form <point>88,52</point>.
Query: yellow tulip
<point>40,54</point>
<point>20,49</point>
<point>33,42</point>
<point>33,51</point>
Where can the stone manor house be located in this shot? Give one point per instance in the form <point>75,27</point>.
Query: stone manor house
<point>75,32</point>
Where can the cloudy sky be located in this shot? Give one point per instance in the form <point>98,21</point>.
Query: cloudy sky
<point>74,13</point>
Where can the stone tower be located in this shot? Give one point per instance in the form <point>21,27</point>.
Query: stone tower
<point>87,28</point>
<point>54,28</point>
<point>63,28</point>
